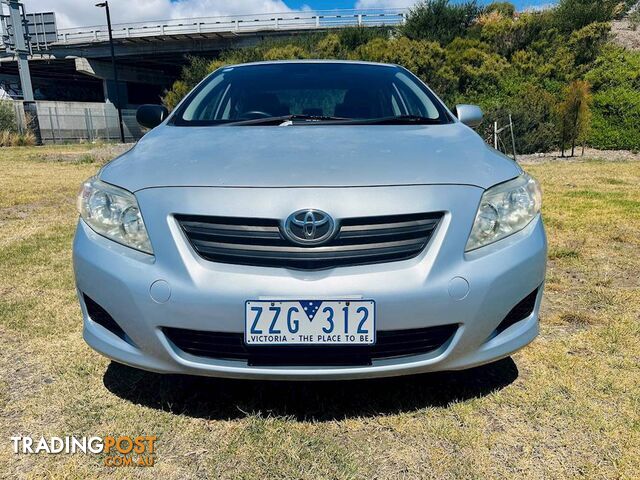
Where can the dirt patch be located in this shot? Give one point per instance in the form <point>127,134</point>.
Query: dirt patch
<point>624,36</point>
<point>92,154</point>
<point>590,154</point>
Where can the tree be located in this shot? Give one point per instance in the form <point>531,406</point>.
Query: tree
<point>575,114</point>
<point>439,20</point>
<point>573,15</point>
<point>506,9</point>
<point>587,42</point>
<point>508,35</point>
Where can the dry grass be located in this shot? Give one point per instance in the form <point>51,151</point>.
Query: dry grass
<point>14,139</point>
<point>567,406</point>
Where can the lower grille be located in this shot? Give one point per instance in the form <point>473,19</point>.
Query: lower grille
<point>260,242</point>
<point>231,346</point>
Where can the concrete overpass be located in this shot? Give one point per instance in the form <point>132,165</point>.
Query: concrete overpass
<point>151,54</point>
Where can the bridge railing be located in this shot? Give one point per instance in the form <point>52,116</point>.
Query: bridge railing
<point>236,24</point>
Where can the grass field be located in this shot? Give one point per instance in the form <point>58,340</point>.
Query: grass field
<point>567,406</point>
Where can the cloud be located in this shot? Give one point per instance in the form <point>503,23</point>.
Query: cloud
<point>80,13</point>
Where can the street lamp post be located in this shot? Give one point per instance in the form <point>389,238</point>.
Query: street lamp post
<point>105,5</point>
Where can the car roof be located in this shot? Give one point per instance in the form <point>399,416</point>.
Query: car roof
<point>303,61</point>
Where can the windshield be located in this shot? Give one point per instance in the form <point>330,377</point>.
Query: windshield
<point>310,93</point>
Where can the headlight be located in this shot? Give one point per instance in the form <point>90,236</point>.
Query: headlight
<point>505,209</point>
<point>113,213</point>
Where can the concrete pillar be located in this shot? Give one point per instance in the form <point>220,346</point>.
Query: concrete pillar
<point>109,87</point>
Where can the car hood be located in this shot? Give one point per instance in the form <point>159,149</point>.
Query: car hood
<point>309,156</point>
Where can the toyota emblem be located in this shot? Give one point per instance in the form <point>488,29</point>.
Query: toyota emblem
<point>309,227</point>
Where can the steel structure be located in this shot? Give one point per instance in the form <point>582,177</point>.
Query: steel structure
<point>205,27</point>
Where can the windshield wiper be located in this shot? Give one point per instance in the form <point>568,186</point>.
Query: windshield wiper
<point>396,120</point>
<point>284,118</point>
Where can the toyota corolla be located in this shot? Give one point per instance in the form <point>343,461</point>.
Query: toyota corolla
<point>310,220</point>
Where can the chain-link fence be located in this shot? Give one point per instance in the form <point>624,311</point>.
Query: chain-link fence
<point>68,122</point>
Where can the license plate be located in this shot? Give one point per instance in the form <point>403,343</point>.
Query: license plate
<point>307,322</point>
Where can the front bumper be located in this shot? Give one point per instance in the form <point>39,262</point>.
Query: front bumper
<point>420,292</point>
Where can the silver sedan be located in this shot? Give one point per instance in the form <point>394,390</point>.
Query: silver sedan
<point>310,220</point>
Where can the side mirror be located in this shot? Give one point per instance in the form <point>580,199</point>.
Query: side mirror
<point>470,115</point>
<point>150,116</point>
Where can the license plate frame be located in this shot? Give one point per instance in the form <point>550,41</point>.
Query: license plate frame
<point>264,331</point>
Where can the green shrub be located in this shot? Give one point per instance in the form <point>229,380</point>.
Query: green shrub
<point>615,66</point>
<point>477,68</point>
<point>616,116</point>
<point>573,15</point>
<point>329,47</point>
<point>352,37</point>
<point>534,120</point>
<point>440,20</point>
<point>7,117</point>
<point>198,68</point>
<point>286,52</point>
<point>587,42</point>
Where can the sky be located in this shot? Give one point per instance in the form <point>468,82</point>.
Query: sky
<point>75,13</point>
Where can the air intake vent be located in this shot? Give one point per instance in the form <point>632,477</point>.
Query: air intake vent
<point>231,346</point>
<point>521,311</point>
<point>260,242</point>
<point>102,318</point>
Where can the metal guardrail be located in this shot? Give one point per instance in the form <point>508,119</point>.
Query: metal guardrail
<point>236,24</point>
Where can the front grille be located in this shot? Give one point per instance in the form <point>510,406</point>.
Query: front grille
<point>260,242</point>
<point>389,344</point>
